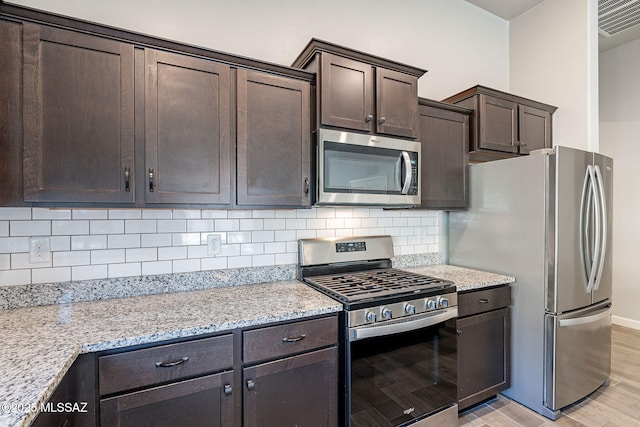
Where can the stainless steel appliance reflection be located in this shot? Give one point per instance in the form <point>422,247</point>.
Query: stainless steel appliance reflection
<point>398,338</point>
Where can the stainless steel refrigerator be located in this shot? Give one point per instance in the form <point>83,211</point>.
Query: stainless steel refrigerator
<point>546,219</point>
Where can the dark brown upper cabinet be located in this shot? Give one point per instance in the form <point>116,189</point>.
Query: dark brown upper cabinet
<point>78,117</point>
<point>504,125</point>
<point>274,132</point>
<point>187,138</point>
<point>362,92</point>
<point>444,135</point>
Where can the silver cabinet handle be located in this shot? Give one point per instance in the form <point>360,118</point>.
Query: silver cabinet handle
<point>127,174</point>
<point>483,301</point>
<point>171,364</point>
<point>228,389</point>
<point>251,385</point>
<point>368,118</point>
<point>151,177</point>
<point>382,120</point>
<point>294,339</point>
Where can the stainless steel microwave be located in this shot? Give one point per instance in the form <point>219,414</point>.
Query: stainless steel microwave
<point>359,169</point>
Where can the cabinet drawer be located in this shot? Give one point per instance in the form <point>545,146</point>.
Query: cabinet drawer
<point>139,368</point>
<point>485,300</point>
<point>277,341</point>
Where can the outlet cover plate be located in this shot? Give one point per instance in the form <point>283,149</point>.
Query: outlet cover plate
<point>39,249</point>
<point>214,244</point>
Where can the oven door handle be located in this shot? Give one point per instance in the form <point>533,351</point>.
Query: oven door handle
<point>402,325</point>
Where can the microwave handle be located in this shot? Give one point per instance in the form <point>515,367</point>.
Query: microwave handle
<point>407,172</point>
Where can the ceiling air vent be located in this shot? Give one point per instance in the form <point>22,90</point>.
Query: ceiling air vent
<point>615,16</point>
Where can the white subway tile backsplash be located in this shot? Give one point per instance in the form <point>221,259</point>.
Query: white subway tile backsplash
<point>262,236</point>
<point>218,263</point>
<point>30,228</point>
<point>171,253</point>
<point>140,226</point>
<point>199,225</point>
<point>67,259</point>
<point>109,256</point>
<point>263,260</point>
<point>21,261</point>
<point>89,214</point>
<point>15,277</point>
<point>102,243</point>
<point>112,226</point>
<point>50,275</point>
<point>79,243</point>
<point>46,213</point>
<point>155,240</point>
<point>69,227</point>
<point>157,267</point>
<point>157,214</point>
<point>14,244</point>
<point>120,241</point>
<point>125,270</point>
<point>15,213</point>
<point>227,225</point>
<point>89,272</point>
<point>172,226</point>
<point>125,214</point>
<point>239,261</point>
<point>141,254</point>
<point>5,261</point>
<point>186,265</point>
<point>185,239</point>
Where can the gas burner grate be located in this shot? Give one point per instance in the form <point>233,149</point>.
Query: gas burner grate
<point>373,283</point>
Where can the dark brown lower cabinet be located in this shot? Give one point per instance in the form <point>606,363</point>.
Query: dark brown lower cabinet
<point>295,391</point>
<point>484,345</point>
<point>205,401</point>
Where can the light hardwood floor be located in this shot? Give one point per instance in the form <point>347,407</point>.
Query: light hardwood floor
<point>615,405</point>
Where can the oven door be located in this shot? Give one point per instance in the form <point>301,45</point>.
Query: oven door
<point>399,378</point>
<point>367,170</point>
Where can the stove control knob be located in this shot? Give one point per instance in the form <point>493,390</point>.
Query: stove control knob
<point>410,309</point>
<point>371,317</point>
<point>443,302</point>
<point>386,314</point>
<point>432,304</point>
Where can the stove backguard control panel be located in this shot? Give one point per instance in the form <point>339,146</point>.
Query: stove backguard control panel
<point>351,247</point>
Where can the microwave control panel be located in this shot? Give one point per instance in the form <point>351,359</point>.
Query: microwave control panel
<point>413,188</point>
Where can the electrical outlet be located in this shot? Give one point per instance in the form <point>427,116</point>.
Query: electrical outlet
<point>214,244</point>
<point>424,233</point>
<point>39,249</point>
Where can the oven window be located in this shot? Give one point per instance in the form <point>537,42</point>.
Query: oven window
<point>398,378</point>
<point>358,169</point>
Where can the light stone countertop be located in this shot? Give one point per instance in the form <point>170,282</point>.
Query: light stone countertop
<point>465,279</point>
<point>39,344</point>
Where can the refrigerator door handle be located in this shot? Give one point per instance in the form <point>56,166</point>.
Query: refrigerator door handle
<point>587,319</point>
<point>584,229</point>
<point>597,225</point>
<point>603,221</point>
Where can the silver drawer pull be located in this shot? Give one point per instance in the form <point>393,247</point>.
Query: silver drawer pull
<point>294,339</point>
<point>171,364</point>
<point>483,301</point>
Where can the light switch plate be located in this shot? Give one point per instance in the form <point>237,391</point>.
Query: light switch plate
<point>39,249</point>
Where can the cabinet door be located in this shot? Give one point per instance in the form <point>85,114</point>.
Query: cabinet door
<point>298,390</point>
<point>346,93</point>
<point>445,165</point>
<point>273,140</point>
<point>205,401</point>
<point>396,103</point>
<point>187,130</point>
<point>498,124</point>
<point>78,117</point>
<point>484,354</point>
<point>535,128</point>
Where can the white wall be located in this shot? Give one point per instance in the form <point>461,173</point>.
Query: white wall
<point>460,44</point>
<point>619,130</point>
<point>553,59</point>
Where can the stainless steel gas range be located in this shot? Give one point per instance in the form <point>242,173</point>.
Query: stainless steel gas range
<point>398,336</point>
